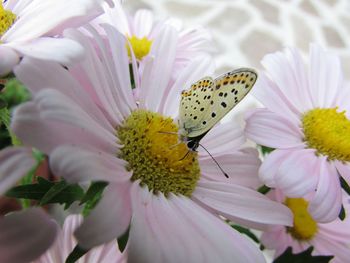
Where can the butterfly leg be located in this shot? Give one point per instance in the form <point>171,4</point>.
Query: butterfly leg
<point>185,155</point>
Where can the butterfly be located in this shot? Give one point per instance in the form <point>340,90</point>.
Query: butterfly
<point>208,100</point>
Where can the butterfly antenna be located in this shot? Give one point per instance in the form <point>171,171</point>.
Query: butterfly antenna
<point>226,175</point>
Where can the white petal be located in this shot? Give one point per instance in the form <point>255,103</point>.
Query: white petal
<point>297,174</point>
<point>14,164</point>
<point>37,75</point>
<point>223,138</point>
<point>41,17</point>
<point>269,94</point>
<point>60,50</point>
<point>8,59</point>
<point>143,22</point>
<point>175,229</point>
<point>25,235</point>
<point>155,80</point>
<point>241,166</point>
<point>269,129</point>
<point>78,165</point>
<point>288,72</point>
<point>233,201</point>
<point>109,220</point>
<point>58,127</point>
<point>326,204</point>
<point>326,77</point>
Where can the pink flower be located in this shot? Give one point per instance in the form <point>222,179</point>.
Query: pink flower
<point>28,27</point>
<point>65,243</point>
<point>88,121</point>
<point>327,239</point>
<point>307,120</point>
<point>142,29</point>
<point>24,235</point>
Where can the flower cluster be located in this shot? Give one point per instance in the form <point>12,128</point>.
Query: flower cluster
<point>108,117</point>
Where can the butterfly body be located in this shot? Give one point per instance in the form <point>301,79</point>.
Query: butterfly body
<point>208,100</point>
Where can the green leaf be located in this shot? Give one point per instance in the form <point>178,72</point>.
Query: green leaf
<point>344,185</point>
<point>77,253</point>
<point>94,189</point>
<point>15,92</point>
<point>123,240</point>
<point>28,178</point>
<point>246,231</point>
<point>266,150</point>
<point>302,257</point>
<point>53,191</point>
<point>3,103</point>
<point>92,196</point>
<point>342,213</point>
<point>5,119</point>
<point>47,192</point>
<point>264,189</point>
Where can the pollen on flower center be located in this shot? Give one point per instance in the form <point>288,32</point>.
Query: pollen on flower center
<point>155,156</point>
<point>304,226</point>
<point>6,19</point>
<point>140,46</point>
<point>328,131</point>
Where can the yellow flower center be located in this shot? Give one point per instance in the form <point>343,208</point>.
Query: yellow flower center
<point>304,227</point>
<point>155,156</point>
<point>328,131</point>
<point>6,19</point>
<point>140,46</point>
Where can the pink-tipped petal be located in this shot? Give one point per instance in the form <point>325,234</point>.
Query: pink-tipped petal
<point>14,164</point>
<point>241,166</point>
<point>143,22</point>
<point>80,165</point>
<point>109,219</point>
<point>32,128</point>
<point>288,72</point>
<point>108,78</point>
<point>53,105</point>
<point>223,138</point>
<point>34,74</point>
<point>270,129</point>
<point>233,201</point>
<point>61,50</point>
<point>25,235</point>
<point>163,50</point>
<point>297,174</point>
<point>270,166</point>
<point>175,229</point>
<point>39,18</point>
<point>337,230</point>
<point>117,43</point>
<point>269,94</point>
<point>326,78</point>
<point>65,243</point>
<point>326,204</point>
<point>324,246</point>
<point>8,59</point>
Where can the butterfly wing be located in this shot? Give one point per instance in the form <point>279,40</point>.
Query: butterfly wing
<point>194,102</point>
<point>229,89</point>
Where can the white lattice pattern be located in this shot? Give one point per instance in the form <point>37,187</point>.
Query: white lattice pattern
<point>245,30</point>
